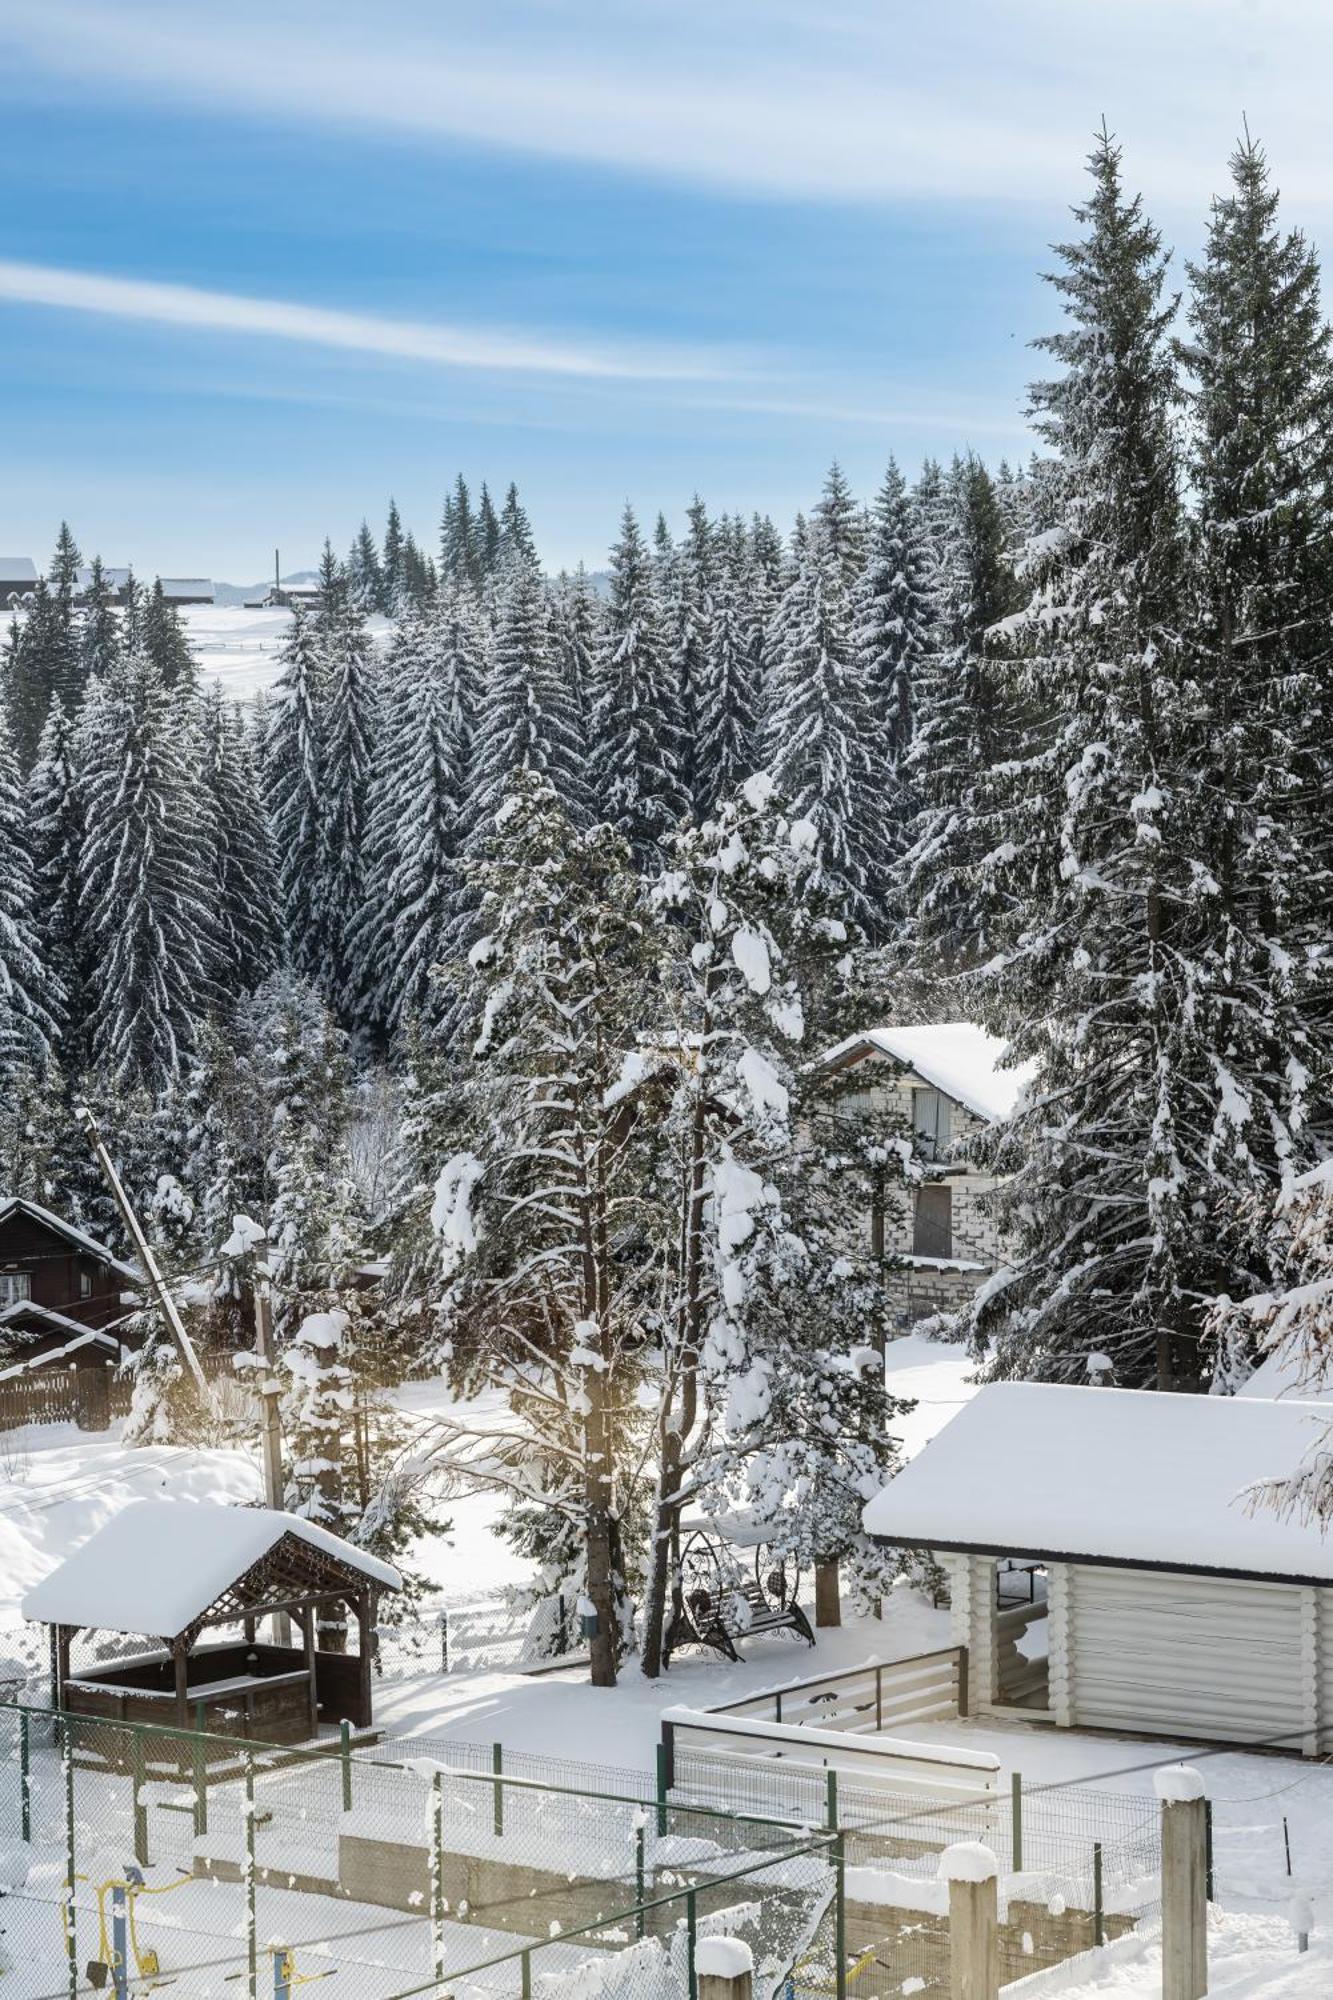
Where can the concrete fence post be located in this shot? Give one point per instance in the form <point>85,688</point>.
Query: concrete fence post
<point>725,1969</point>
<point>970,1869</point>
<point>1184,1882</point>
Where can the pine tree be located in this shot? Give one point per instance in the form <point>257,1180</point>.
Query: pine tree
<point>347,751</point>
<point>98,634</point>
<point>145,892</point>
<point>576,633</point>
<point>528,720</point>
<point>842,524</point>
<point>1098,866</point>
<point>458,543</point>
<point>41,666</point>
<point>245,893</point>
<point>54,818</point>
<point>392,567</point>
<point>513,543</point>
<point>891,635</point>
<point>414,824</point>
<point>541,1181</point>
<point>727,701</point>
<point>31,996</point>
<point>166,642</point>
<point>63,574</point>
<point>819,726</point>
<point>632,738</point>
<point>365,580</point>
<point>690,610</point>
<point>488,533</point>
<point>293,778</point>
<point>965,721</point>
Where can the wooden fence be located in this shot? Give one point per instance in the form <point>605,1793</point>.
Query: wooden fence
<point>888,1694</point>
<point>63,1396</point>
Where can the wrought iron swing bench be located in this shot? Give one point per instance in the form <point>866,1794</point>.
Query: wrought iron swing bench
<point>720,1601</point>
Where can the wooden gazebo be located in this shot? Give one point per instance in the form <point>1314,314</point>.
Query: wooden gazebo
<point>172,1570</point>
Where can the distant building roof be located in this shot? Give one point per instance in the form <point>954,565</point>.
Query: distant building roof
<point>187,586</point>
<point>965,1062</point>
<point>17,569</point>
<point>1130,1477</point>
<point>114,579</point>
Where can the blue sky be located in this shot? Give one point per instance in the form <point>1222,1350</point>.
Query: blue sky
<point>261,266</point>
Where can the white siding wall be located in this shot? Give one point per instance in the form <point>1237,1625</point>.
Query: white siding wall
<point>972,1595</point>
<point>1202,1656</point>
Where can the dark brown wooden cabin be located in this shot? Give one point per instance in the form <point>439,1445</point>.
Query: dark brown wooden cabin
<point>173,1571</point>
<point>54,1274</point>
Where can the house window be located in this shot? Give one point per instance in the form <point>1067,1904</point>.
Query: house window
<point>85,1284</point>
<point>15,1285</point>
<point>932,1230</point>
<point>930,1122</point>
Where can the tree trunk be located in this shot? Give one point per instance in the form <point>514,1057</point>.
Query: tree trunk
<point>601,1571</point>
<point>828,1595</point>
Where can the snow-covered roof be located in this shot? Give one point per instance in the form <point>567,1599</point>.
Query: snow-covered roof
<point>12,1203</point>
<point>88,1338</point>
<point>158,1565</point>
<point>18,569</point>
<point>960,1059</point>
<point>187,586</point>
<point>1122,1476</point>
<point>114,579</point>
<point>24,1309</point>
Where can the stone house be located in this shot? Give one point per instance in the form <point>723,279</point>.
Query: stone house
<point>944,1084</point>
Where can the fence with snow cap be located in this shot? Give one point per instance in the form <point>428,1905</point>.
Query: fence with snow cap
<point>1184,1882</point>
<point>971,1871</point>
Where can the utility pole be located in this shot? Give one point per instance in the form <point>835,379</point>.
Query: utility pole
<point>269,1391</point>
<point>157,1284</point>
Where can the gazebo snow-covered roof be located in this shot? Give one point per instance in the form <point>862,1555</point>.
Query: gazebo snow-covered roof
<point>963,1061</point>
<point>162,1566</point>
<point>1117,1477</point>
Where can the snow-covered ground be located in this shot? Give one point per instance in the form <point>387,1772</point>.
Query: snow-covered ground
<point>1249,1958</point>
<point>239,649</point>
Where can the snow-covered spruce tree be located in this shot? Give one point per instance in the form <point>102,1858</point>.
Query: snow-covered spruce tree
<point>54,816</point>
<point>365,579</point>
<point>391,565</point>
<point>1101,875</point>
<point>842,524</point>
<point>891,634</point>
<point>966,723</point>
<point>294,791</point>
<point>31,995</point>
<point>41,665</point>
<point>347,752</point>
<point>690,613</point>
<point>145,877</point>
<point>534,1209</point>
<point>726,697</point>
<point>245,896</point>
<point>576,628</point>
<point>414,826</point>
<point>527,720</point>
<point>459,564</point>
<point>98,631</point>
<point>1262,469</point>
<point>163,638</point>
<point>819,726</point>
<point>761,1273</point>
<point>634,749</point>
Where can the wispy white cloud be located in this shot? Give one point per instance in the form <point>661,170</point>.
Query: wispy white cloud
<point>359,333</point>
<point>850,100</point>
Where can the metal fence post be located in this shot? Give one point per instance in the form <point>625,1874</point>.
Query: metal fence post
<point>200,1772</point>
<point>1098,1908</point>
<point>525,1975</point>
<point>251,1885</point>
<point>137,1776</point>
<point>691,1939</point>
<point>437,1874</point>
<point>879,1697</point>
<point>282,1973</point>
<point>1016,1805</point>
<point>638,1880</point>
<point>25,1778</point>
<point>831,1801</point>
<point>497,1765</point>
<point>663,1782</point>
<point>65,1730</point>
<point>840,1915</point>
<point>345,1752</point>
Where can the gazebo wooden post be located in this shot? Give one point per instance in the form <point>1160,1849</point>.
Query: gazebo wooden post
<point>63,1635</point>
<point>365,1605</point>
<point>181,1669</point>
<point>309,1618</point>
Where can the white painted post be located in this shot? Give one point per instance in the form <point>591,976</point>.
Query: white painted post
<point>971,1870</point>
<point>724,1969</point>
<point>1184,1883</point>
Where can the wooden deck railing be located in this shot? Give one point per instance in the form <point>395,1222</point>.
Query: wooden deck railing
<point>883,1695</point>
